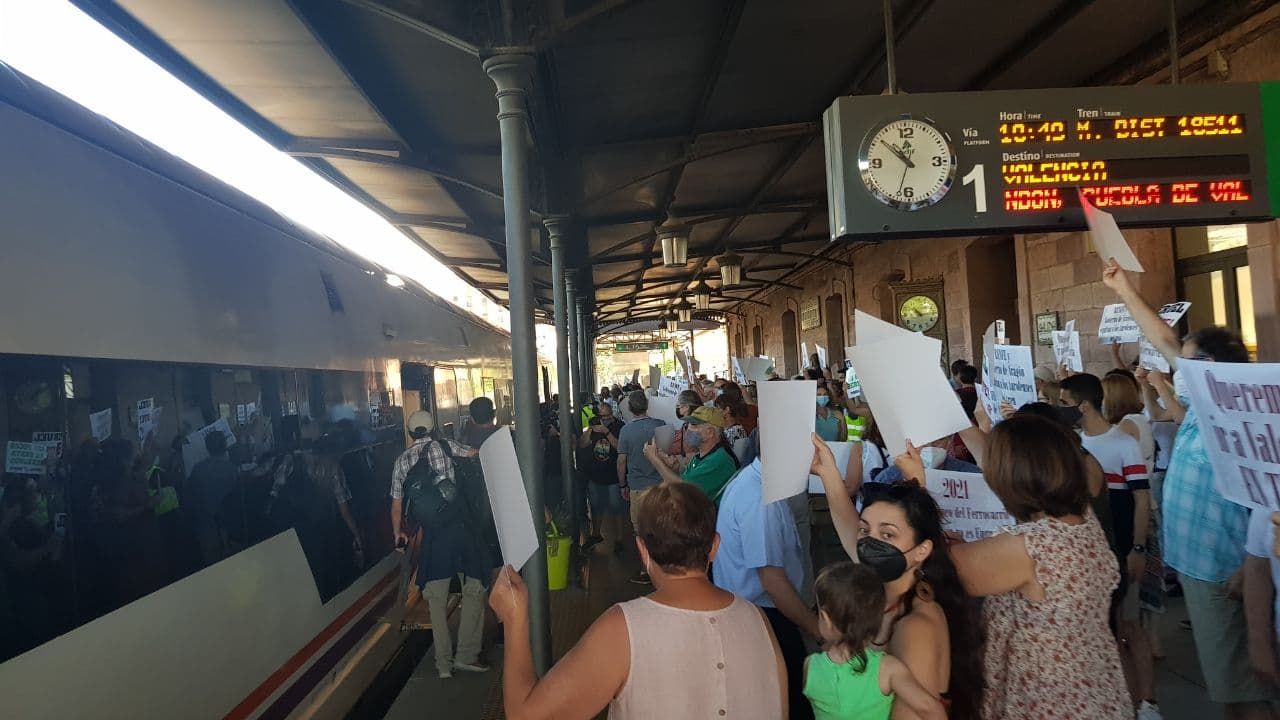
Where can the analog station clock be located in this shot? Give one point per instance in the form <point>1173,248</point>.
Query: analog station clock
<point>907,163</point>
<point>918,313</point>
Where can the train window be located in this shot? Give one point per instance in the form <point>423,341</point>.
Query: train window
<point>129,507</point>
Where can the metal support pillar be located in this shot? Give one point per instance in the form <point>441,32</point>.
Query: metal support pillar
<point>575,342</point>
<point>584,347</point>
<point>511,75</point>
<point>890,51</point>
<point>568,428</point>
<point>588,345</point>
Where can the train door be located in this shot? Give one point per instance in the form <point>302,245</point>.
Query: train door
<point>448,413</point>
<point>417,389</point>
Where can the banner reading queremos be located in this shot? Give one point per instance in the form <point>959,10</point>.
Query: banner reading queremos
<point>1238,408</point>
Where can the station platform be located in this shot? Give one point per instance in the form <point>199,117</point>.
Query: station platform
<point>606,580</point>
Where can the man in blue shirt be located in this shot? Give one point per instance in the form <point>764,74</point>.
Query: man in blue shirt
<point>636,475</point>
<point>761,560</point>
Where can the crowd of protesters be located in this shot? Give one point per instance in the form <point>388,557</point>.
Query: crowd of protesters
<point>1114,510</point>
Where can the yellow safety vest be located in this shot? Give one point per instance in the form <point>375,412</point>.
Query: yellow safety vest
<point>856,425</point>
<point>587,414</point>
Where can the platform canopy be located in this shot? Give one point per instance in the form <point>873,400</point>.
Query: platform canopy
<point>707,111</point>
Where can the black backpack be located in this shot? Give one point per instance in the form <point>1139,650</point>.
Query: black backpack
<point>431,502</point>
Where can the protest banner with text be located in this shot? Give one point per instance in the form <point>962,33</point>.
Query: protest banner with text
<point>1238,408</point>
<point>969,506</point>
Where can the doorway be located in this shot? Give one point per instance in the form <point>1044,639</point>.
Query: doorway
<point>835,330</point>
<point>790,343</point>
<point>1214,276</point>
<point>991,271</point>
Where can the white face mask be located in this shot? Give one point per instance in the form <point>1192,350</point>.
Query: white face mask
<point>1180,384</point>
<point>933,457</point>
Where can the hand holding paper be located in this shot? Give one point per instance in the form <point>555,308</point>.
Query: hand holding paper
<point>1107,238</point>
<point>787,418</point>
<point>903,383</point>
<point>511,512</point>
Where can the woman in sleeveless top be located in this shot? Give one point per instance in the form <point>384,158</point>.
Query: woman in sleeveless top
<point>687,650</point>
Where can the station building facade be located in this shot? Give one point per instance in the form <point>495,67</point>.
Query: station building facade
<point>1036,281</point>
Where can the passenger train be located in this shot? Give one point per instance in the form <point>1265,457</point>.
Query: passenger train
<point>139,294</point>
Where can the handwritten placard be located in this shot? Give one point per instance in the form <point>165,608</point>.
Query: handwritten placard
<point>1148,356</point>
<point>1117,326</point>
<point>969,506</point>
<point>24,458</point>
<point>1011,374</point>
<point>55,440</point>
<point>671,387</point>
<point>100,424</point>
<point>1066,348</point>
<point>1238,408</point>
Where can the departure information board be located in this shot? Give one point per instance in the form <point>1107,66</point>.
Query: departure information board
<point>982,162</point>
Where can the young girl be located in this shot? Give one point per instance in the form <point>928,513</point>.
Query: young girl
<point>852,679</point>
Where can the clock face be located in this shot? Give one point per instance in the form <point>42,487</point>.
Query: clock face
<point>907,163</point>
<point>918,313</point>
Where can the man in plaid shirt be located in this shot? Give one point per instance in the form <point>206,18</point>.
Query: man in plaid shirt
<point>450,548</point>
<point>1204,534</point>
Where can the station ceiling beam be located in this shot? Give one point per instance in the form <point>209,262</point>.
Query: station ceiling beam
<point>710,78</point>
<point>1062,14</point>
<point>418,25</point>
<point>604,259</point>
<point>705,213</point>
<point>1195,31</point>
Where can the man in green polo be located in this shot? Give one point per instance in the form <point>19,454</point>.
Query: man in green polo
<point>713,463</point>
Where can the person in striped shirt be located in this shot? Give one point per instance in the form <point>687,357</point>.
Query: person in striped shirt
<point>1128,492</point>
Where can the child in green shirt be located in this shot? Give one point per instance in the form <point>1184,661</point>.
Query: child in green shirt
<point>852,679</point>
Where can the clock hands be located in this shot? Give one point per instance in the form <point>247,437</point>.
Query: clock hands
<point>903,180</point>
<point>900,153</point>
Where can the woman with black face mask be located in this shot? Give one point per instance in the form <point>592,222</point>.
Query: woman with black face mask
<point>929,622</point>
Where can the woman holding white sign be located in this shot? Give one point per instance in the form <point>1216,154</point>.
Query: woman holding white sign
<point>928,623</point>
<point>1202,533</point>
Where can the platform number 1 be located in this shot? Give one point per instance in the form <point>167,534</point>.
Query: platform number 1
<point>978,178</point>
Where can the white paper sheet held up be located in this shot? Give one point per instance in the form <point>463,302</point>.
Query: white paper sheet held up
<point>903,383</point>
<point>871,329</point>
<point>663,435</point>
<point>1107,238</point>
<point>758,368</point>
<point>664,409</point>
<point>841,451</point>
<point>787,413</point>
<point>511,513</point>
<point>100,424</point>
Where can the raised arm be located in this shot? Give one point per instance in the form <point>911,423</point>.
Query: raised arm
<point>994,565</point>
<point>976,440</point>
<point>844,515</point>
<point>576,688</point>
<point>1153,327</point>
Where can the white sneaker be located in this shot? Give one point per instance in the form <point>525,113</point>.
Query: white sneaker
<point>475,667</point>
<point>1149,711</point>
<point>444,674</point>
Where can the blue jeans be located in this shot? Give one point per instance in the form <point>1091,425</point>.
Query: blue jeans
<point>606,500</point>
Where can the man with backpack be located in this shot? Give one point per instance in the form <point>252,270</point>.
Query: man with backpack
<point>452,546</point>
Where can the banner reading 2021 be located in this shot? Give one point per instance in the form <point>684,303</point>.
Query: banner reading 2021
<point>1238,408</point>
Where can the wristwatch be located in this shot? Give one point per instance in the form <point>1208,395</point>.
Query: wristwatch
<point>1139,549</point>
